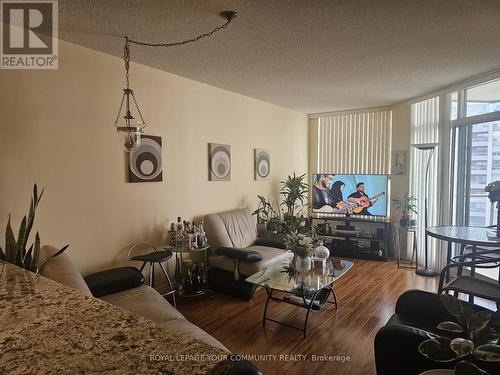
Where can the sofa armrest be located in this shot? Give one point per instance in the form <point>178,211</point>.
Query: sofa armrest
<point>114,280</point>
<point>239,254</point>
<point>396,351</point>
<point>277,240</point>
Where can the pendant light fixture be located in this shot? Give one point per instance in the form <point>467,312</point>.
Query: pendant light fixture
<point>130,127</point>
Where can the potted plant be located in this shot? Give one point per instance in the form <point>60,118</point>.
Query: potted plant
<point>17,251</point>
<point>294,190</point>
<point>407,204</point>
<point>476,339</point>
<point>267,217</point>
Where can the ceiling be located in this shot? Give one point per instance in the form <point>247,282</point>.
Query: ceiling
<point>311,56</point>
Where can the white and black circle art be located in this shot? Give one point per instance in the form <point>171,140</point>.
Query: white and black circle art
<point>262,164</point>
<point>219,162</point>
<point>145,162</point>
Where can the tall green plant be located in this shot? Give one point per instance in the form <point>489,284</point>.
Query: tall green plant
<point>17,251</point>
<point>294,190</point>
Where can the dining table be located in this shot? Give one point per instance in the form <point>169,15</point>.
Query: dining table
<point>464,235</point>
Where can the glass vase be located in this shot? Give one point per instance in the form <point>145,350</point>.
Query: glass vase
<point>303,264</point>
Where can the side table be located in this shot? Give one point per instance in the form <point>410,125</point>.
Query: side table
<point>191,277</point>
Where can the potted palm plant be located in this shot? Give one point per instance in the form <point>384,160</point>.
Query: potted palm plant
<point>294,190</point>
<point>408,205</point>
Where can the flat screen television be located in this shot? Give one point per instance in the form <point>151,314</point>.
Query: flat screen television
<point>353,194</point>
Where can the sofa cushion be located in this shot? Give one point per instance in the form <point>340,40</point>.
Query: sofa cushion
<point>62,269</point>
<point>147,302</point>
<point>144,301</point>
<point>270,257</point>
<point>231,229</point>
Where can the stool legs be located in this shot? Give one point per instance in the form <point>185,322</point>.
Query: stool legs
<point>169,283</point>
<point>152,274</point>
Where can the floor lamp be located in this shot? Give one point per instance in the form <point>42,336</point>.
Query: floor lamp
<point>426,147</point>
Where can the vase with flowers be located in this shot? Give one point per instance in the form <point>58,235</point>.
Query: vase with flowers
<point>493,190</point>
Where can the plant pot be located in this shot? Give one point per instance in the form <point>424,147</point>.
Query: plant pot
<point>438,372</point>
<point>405,222</point>
<point>261,228</point>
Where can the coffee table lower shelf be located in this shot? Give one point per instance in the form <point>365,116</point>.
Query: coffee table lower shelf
<point>317,301</point>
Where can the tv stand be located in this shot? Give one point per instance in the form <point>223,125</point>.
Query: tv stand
<point>366,237</point>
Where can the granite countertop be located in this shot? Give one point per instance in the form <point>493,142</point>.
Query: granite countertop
<point>48,328</point>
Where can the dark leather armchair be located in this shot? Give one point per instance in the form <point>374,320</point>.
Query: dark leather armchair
<point>416,317</point>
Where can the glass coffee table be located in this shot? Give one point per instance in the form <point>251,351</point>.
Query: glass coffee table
<point>310,291</point>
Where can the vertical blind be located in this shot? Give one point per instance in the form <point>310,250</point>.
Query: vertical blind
<point>425,128</point>
<point>353,142</point>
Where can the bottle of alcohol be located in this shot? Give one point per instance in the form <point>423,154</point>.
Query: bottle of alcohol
<point>171,235</point>
<point>179,232</point>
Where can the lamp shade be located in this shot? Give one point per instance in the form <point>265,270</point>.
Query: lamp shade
<point>426,146</point>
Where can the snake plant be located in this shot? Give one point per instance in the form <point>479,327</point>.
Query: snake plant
<point>17,251</point>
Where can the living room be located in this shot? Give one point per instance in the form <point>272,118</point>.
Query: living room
<point>248,187</point>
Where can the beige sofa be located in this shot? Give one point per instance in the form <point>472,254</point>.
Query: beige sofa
<point>237,230</point>
<point>142,300</point>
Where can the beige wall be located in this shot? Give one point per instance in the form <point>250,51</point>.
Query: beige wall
<point>56,129</point>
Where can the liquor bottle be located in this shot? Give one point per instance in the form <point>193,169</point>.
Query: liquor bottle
<point>203,235</point>
<point>171,235</point>
<point>179,233</point>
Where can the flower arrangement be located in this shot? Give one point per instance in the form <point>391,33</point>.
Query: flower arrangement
<point>302,246</point>
<point>493,190</point>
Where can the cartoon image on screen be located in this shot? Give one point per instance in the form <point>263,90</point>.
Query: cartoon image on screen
<point>350,194</point>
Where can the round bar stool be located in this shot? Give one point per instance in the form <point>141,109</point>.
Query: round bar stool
<point>155,256</point>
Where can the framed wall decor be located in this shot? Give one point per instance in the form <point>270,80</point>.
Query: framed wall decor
<point>145,163</point>
<point>262,164</point>
<point>219,159</point>
<point>399,160</point>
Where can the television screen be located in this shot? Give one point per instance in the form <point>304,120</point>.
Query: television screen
<point>354,194</point>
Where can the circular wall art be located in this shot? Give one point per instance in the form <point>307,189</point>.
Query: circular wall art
<point>145,162</point>
<point>220,162</point>
<point>262,164</point>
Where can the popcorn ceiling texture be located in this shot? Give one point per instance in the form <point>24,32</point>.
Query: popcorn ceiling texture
<point>311,56</point>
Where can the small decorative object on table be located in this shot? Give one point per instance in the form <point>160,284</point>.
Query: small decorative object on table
<point>493,190</point>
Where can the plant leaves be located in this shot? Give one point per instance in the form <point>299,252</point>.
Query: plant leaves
<point>485,335</point>
<point>437,349</point>
<point>36,254</point>
<point>452,304</point>
<point>22,238</point>
<point>479,320</point>
<point>10,243</point>
<point>468,368</point>
<point>464,317</point>
<point>488,353</point>
<point>450,327</point>
<point>462,347</point>
<point>53,256</point>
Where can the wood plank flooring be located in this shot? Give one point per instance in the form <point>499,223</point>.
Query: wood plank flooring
<point>366,294</point>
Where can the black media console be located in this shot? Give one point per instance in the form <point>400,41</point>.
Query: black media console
<point>353,236</point>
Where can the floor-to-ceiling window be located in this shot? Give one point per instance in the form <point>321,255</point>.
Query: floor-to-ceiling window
<point>475,119</point>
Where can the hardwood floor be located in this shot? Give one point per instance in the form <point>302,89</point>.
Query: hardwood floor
<point>366,294</point>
